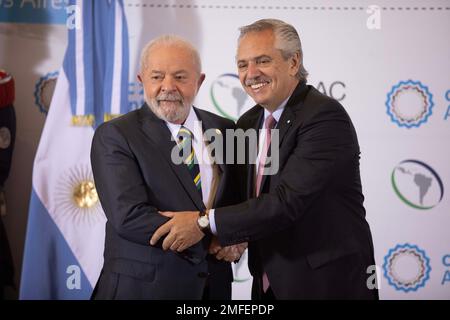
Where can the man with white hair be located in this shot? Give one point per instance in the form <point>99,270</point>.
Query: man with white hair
<point>136,176</point>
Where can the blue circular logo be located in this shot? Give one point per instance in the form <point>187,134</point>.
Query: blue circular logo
<point>409,104</point>
<point>406,267</point>
<point>43,91</point>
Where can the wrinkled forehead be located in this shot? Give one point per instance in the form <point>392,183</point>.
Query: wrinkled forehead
<point>173,56</point>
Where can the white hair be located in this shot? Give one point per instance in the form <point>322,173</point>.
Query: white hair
<point>287,39</point>
<point>169,40</point>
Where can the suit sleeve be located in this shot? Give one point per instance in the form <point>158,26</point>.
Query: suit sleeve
<point>325,144</point>
<point>121,187</point>
<point>237,188</point>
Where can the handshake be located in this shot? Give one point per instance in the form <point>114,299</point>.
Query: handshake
<point>230,253</point>
<point>182,232</point>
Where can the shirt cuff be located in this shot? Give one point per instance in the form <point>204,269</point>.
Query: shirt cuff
<point>212,222</point>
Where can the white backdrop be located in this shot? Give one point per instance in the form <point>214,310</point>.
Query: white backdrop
<point>389,66</point>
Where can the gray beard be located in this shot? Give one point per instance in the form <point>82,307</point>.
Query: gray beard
<point>169,114</point>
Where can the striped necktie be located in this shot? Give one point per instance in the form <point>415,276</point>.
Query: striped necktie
<point>185,137</point>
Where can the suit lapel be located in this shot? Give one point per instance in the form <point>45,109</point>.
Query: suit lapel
<point>209,124</point>
<point>293,104</point>
<point>283,126</point>
<point>156,130</point>
<point>254,122</point>
<point>288,116</point>
<point>285,122</point>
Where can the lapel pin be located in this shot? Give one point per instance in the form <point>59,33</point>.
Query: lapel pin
<point>289,121</point>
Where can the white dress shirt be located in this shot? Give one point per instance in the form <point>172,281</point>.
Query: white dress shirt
<point>262,135</point>
<point>201,152</point>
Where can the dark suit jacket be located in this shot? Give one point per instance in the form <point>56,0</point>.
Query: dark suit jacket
<point>307,229</point>
<point>135,177</point>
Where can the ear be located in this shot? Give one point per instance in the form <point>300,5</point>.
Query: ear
<point>294,64</point>
<point>200,81</point>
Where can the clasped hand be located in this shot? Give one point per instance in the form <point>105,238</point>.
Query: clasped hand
<point>183,232</point>
<point>228,253</point>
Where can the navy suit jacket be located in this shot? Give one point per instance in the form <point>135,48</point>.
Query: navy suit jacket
<point>135,177</point>
<point>307,228</point>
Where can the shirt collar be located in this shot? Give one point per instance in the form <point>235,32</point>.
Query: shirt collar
<point>188,123</point>
<point>277,113</point>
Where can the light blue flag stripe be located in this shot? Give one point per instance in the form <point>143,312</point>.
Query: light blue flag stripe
<point>70,67</point>
<point>124,105</point>
<point>107,63</point>
<point>47,258</point>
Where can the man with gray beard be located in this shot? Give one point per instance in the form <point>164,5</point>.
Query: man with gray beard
<point>136,177</point>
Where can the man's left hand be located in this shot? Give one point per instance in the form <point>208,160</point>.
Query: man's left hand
<point>231,253</point>
<point>182,230</point>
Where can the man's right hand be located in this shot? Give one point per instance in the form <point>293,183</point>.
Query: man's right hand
<point>229,253</point>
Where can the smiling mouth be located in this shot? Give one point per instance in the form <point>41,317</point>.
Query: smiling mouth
<point>258,86</point>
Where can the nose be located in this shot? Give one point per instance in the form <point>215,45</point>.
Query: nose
<point>168,84</point>
<point>253,70</point>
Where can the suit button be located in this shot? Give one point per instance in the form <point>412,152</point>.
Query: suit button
<point>203,274</point>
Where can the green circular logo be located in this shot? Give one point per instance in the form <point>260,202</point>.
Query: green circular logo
<point>228,97</point>
<point>417,184</point>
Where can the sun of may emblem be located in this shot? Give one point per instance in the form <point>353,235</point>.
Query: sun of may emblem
<point>77,195</point>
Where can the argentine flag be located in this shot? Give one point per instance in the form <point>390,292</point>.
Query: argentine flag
<point>66,225</point>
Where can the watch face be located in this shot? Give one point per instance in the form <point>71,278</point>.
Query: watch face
<point>203,221</point>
